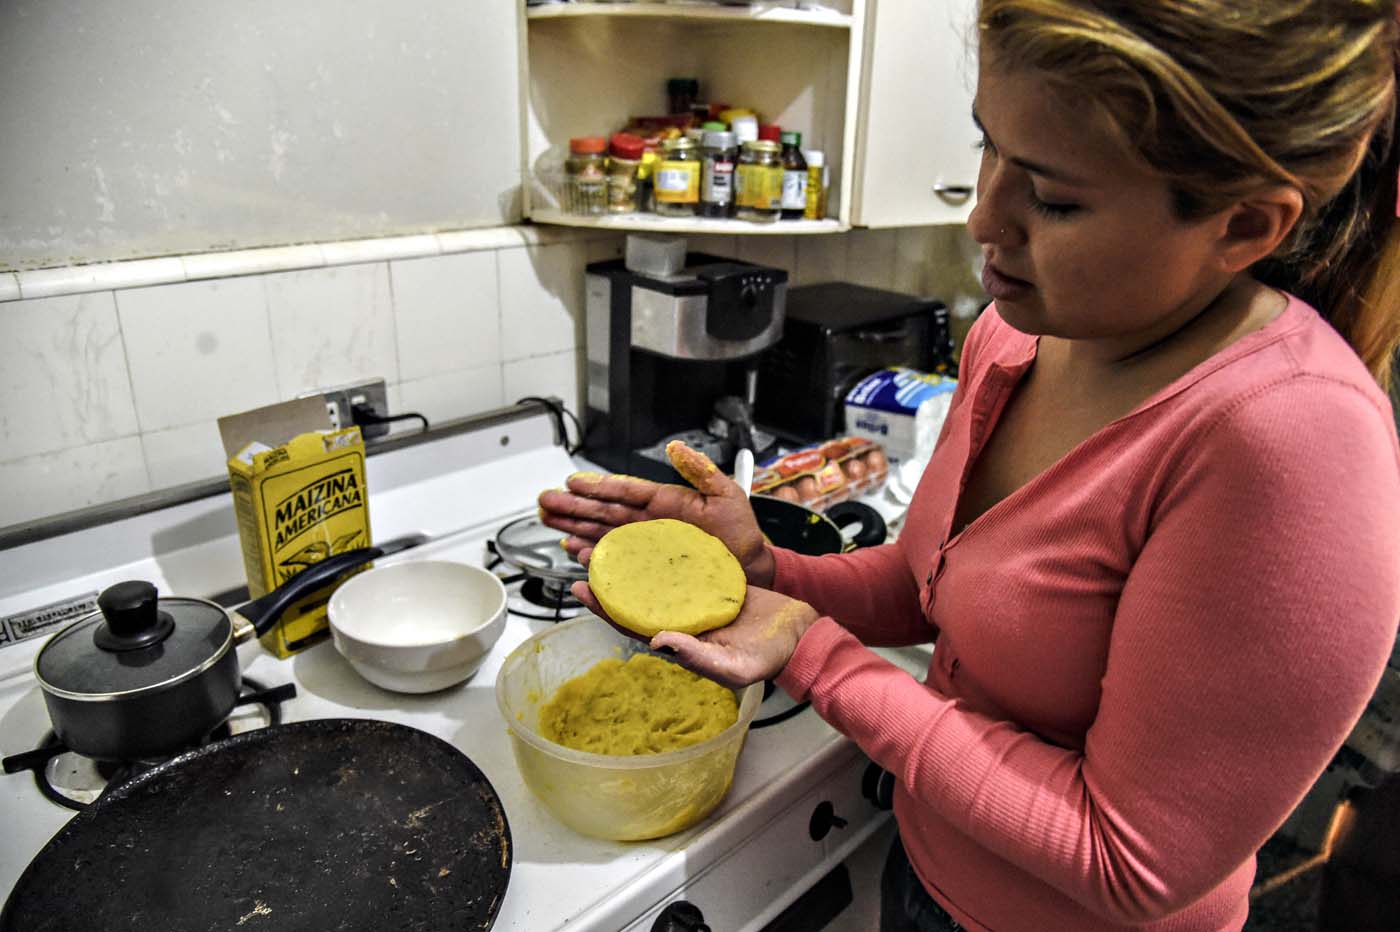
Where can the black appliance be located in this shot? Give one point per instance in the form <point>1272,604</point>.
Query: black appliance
<point>835,335</point>
<point>674,356</point>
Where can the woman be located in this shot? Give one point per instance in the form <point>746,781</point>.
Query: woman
<point>1158,540</point>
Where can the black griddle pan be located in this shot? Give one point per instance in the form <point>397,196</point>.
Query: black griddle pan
<point>330,824</point>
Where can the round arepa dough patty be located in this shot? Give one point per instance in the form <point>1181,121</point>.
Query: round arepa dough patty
<point>666,575</point>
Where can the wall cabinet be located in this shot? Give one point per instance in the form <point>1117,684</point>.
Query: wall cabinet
<point>589,66</point>
<point>883,87</point>
<point>916,157</point>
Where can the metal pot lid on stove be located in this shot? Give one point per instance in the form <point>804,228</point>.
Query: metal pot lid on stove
<point>136,642</point>
<point>534,548</point>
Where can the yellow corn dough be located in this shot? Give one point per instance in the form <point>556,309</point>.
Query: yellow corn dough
<point>643,706</point>
<point>666,575</point>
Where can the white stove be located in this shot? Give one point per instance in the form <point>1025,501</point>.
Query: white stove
<point>740,867</point>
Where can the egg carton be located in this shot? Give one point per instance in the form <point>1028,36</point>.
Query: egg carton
<point>823,474</point>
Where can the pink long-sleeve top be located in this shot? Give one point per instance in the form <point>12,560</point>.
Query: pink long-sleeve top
<point>1145,656</point>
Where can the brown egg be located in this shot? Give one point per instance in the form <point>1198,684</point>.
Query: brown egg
<point>807,489</point>
<point>855,469</point>
<point>787,493</point>
<point>876,461</point>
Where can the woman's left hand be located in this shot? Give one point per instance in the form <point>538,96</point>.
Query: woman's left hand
<point>756,646</point>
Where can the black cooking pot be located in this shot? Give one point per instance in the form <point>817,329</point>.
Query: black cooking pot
<point>806,531</point>
<point>146,676</point>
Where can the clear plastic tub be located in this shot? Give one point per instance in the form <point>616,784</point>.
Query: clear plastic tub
<point>601,795</point>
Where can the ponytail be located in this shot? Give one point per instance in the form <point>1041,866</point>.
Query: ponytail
<point>1349,265</point>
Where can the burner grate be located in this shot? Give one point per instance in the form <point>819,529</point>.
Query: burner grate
<point>544,571</point>
<point>548,593</point>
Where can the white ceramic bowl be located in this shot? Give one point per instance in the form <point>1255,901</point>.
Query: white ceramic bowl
<point>420,626</point>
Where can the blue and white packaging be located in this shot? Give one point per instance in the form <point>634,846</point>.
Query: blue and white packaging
<point>901,409</point>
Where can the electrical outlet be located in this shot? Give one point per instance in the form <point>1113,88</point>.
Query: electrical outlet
<point>341,399</point>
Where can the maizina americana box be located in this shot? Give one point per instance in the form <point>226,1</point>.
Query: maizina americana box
<point>298,503</point>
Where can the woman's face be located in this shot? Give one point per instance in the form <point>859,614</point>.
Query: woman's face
<point>1078,232</point>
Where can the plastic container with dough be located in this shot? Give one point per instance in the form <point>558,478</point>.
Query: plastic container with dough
<point>601,795</point>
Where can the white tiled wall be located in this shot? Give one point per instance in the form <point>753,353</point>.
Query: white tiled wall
<point>112,393</point>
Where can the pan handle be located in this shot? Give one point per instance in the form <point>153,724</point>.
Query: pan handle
<point>33,760</point>
<point>872,524</point>
<point>264,611</point>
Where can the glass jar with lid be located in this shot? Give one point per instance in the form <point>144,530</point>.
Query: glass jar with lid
<point>758,191</point>
<point>718,156</point>
<point>677,184</point>
<point>624,157</point>
<point>585,175</point>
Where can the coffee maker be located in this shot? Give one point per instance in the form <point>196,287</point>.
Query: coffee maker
<point>674,356</point>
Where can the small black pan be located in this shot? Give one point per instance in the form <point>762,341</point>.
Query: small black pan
<point>345,824</point>
<point>813,533</point>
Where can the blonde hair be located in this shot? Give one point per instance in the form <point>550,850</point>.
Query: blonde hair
<point>1226,96</point>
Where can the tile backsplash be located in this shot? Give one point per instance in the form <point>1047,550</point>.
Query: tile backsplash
<point>112,393</point>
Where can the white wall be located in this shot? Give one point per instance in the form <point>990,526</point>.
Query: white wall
<point>150,127</point>
<point>114,392</point>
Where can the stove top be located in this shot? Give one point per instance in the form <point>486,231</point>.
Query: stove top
<point>458,493</point>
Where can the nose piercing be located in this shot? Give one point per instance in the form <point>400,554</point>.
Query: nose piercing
<point>1003,231</point>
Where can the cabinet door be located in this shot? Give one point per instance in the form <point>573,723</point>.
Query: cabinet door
<point>916,153</point>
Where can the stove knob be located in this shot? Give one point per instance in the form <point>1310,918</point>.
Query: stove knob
<point>824,819</point>
<point>680,916</point>
<point>877,785</point>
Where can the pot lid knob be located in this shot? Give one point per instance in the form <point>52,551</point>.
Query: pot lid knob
<point>132,618</point>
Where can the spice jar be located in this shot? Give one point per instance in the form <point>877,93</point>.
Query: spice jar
<point>585,170</point>
<point>794,198</point>
<point>677,184</point>
<point>717,160</point>
<point>816,184</point>
<point>624,157</point>
<point>758,192</point>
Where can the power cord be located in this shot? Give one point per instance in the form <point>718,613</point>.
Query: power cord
<point>364,415</point>
<point>557,409</point>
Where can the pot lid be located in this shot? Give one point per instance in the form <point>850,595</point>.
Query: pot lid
<point>135,641</point>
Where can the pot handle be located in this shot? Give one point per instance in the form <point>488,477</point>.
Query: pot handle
<point>872,524</point>
<point>264,611</point>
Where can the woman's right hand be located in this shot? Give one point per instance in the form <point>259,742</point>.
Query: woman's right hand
<point>594,504</point>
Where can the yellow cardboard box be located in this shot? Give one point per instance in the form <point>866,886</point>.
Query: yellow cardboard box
<point>298,503</point>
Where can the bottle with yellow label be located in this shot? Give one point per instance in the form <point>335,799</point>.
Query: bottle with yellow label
<point>816,185</point>
<point>758,189</point>
<point>677,183</point>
